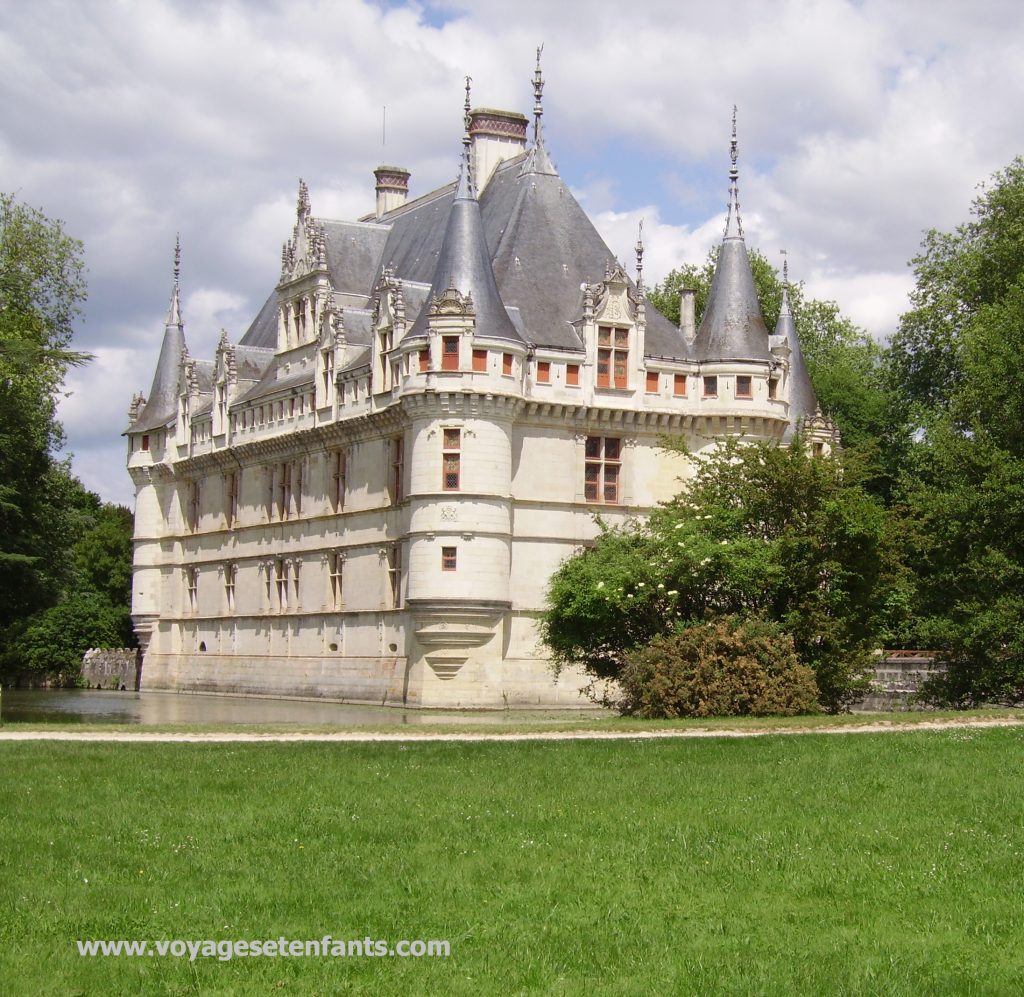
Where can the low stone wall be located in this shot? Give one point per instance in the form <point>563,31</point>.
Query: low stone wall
<point>112,668</point>
<point>898,678</point>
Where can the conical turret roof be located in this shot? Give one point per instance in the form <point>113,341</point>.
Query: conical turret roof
<point>464,263</point>
<point>732,327</point>
<point>162,402</point>
<point>803,403</point>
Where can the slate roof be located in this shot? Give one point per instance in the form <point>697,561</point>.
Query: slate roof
<point>803,403</point>
<point>542,248</point>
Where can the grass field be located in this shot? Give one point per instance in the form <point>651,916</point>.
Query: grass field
<point>888,864</point>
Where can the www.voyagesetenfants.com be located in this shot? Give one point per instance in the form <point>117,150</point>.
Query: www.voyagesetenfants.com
<point>225,949</point>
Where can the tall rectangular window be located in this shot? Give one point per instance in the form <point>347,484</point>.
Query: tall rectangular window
<point>480,361</point>
<point>284,490</point>
<point>424,359</point>
<point>232,487</point>
<point>612,357</point>
<point>710,387</point>
<point>744,387</point>
<point>395,575</point>
<point>327,364</point>
<point>506,364</point>
<point>449,353</point>
<point>652,382</point>
<point>679,385</point>
<point>192,512</point>
<point>773,387</point>
<point>543,371</point>
<point>602,471</point>
<point>338,473</point>
<point>449,558</point>
<point>230,570</point>
<point>145,441</point>
<point>192,588</point>
<point>451,460</point>
<point>572,374</point>
<point>281,583</point>
<point>337,567</point>
<point>297,490</point>
<point>397,470</point>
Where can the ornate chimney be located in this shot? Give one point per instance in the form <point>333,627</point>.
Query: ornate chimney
<point>496,136</point>
<point>392,188</point>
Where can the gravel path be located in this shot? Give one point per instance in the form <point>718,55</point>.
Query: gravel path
<point>222,737</point>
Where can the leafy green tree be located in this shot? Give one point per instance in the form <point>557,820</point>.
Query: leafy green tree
<point>54,640</point>
<point>41,292</point>
<point>957,274</point>
<point>762,530</point>
<point>956,361</point>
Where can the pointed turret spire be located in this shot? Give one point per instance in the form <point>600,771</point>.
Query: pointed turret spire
<point>537,159</point>
<point>538,98</point>
<point>639,247</point>
<point>466,187</point>
<point>464,261</point>
<point>174,311</point>
<point>733,222</point>
<point>162,405</point>
<point>732,327</point>
<point>803,403</point>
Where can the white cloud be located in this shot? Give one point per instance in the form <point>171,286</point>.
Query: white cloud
<point>861,125</point>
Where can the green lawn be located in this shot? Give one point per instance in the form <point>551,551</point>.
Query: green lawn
<point>888,864</point>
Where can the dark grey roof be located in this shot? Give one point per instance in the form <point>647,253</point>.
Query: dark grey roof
<point>464,262</point>
<point>416,233</point>
<point>162,404</point>
<point>540,246</point>
<point>251,362</point>
<point>263,331</point>
<point>271,383</point>
<point>204,376</point>
<point>803,403</point>
<point>354,251</point>
<point>732,327</point>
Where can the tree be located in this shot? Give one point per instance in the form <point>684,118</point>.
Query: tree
<point>956,360</point>
<point>41,292</point>
<point>957,274</point>
<point>762,530</point>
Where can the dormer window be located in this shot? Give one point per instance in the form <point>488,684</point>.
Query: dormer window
<point>612,357</point>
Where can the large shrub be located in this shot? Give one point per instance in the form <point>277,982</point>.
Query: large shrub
<point>728,667</point>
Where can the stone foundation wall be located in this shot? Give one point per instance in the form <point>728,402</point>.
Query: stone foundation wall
<point>898,678</point>
<point>112,668</point>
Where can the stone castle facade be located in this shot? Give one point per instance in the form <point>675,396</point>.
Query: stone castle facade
<point>363,498</point>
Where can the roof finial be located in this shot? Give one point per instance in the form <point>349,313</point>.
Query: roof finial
<point>538,93</point>
<point>174,312</point>
<point>640,259</point>
<point>734,190</point>
<point>466,187</point>
<point>785,308</point>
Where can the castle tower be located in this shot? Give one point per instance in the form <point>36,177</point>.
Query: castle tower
<point>150,435</point>
<point>460,443</point>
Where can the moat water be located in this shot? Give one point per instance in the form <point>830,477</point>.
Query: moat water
<point>94,706</point>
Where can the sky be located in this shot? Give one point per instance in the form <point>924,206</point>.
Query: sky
<point>861,125</point>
